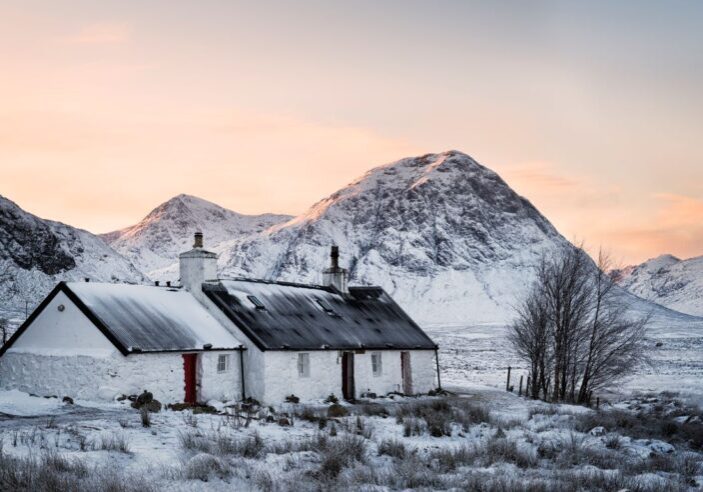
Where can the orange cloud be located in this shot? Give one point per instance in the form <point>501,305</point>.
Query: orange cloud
<point>102,33</point>
<point>676,227</point>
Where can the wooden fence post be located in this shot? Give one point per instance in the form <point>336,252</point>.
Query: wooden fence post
<point>519,393</point>
<point>507,384</point>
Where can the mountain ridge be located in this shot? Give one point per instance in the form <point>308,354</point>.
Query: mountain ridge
<point>666,280</point>
<point>36,253</point>
<point>153,244</point>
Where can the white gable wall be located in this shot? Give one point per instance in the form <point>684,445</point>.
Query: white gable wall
<point>67,332</point>
<point>62,353</point>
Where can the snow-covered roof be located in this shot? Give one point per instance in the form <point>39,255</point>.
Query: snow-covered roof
<point>153,318</point>
<point>281,316</point>
<point>142,318</point>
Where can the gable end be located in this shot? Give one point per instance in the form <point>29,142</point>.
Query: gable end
<point>62,287</point>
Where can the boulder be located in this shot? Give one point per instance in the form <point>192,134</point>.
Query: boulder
<point>597,431</point>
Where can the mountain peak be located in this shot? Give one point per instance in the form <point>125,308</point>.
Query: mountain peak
<point>155,241</point>
<point>436,226</point>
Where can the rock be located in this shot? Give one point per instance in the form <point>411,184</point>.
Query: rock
<point>337,410</point>
<point>144,398</point>
<point>283,422</point>
<point>68,399</point>
<point>597,431</point>
<point>202,465</point>
<point>154,406</point>
<point>661,447</point>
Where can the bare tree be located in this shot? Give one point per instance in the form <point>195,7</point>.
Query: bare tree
<point>573,330</point>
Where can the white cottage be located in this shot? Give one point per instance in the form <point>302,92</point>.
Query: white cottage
<point>222,339</point>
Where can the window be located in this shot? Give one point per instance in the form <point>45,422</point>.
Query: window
<point>325,307</point>
<point>256,302</point>
<point>376,365</point>
<point>222,363</point>
<point>304,365</point>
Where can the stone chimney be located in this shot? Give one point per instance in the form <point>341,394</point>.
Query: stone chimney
<point>197,265</point>
<point>335,276</point>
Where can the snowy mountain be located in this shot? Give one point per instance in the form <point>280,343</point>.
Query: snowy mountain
<point>153,245</point>
<point>444,235</point>
<point>35,254</point>
<point>667,280</point>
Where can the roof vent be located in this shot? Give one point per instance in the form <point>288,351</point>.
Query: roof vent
<point>87,279</point>
<point>198,240</point>
<point>207,346</point>
<point>168,283</point>
<point>156,283</point>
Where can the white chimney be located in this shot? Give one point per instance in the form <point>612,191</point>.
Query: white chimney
<point>335,276</point>
<point>197,266</point>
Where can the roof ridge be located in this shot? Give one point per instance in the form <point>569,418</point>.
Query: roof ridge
<point>277,282</point>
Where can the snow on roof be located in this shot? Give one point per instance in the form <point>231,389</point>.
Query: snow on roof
<point>280,315</point>
<point>153,319</point>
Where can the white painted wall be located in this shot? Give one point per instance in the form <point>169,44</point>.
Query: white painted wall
<point>282,379</point>
<point>62,353</point>
<point>218,386</point>
<point>424,370</point>
<point>66,332</point>
<point>254,367</point>
<point>93,378</point>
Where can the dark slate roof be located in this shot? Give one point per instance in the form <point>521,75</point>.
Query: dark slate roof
<point>142,318</point>
<point>293,318</point>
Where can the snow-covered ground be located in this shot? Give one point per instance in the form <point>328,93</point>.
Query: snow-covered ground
<point>481,355</point>
<point>484,439</point>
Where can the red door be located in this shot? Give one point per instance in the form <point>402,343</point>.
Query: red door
<point>189,366</point>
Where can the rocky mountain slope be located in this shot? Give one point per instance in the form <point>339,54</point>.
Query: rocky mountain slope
<point>35,254</point>
<point>667,280</point>
<point>447,237</point>
<point>154,243</point>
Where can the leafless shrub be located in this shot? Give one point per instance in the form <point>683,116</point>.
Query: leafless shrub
<point>339,453</point>
<point>222,443</point>
<point>413,427</point>
<point>202,466</point>
<point>393,448</point>
<point>612,441</point>
<point>51,472</point>
<point>190,419</point>
<point>117,441</point>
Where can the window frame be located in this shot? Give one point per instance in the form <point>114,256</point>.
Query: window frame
<point>225,358</point>
<point>258,305</point>
<point>303,364</point>
<point>377,364</point>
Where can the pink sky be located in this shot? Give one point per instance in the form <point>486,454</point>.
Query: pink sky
<point>592,113</point>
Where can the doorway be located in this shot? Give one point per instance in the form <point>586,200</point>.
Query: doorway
<point>190,363</point>
<point>406,373</point>
<point>348,375</point>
